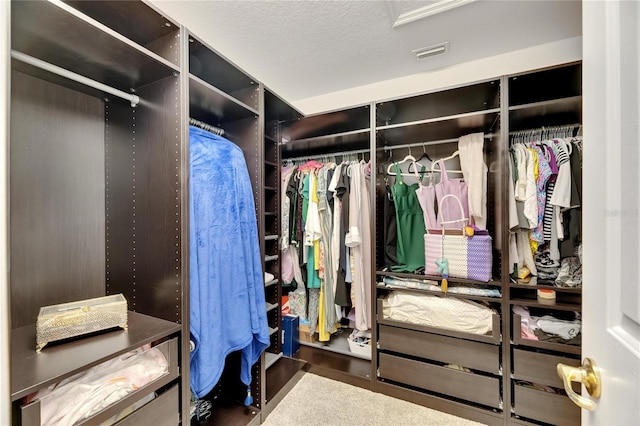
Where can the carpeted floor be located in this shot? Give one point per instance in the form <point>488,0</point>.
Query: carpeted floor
<point>319,401</point>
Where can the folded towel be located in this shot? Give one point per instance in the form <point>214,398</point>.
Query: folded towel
<point>226,277</point>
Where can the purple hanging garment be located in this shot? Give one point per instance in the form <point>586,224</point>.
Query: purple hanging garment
<point>450,210</point>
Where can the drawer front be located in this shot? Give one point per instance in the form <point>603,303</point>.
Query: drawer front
<point>539,368</point>
<point>30,413</point>
<point>545,407</point>
<point>474,355</point>
<point>162,411</point>
<point>471,387</point>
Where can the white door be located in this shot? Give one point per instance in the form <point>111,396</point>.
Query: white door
<point>5,29</point>
<point>611,223</point>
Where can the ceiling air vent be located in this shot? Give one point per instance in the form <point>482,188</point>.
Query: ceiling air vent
<point>436,49</point>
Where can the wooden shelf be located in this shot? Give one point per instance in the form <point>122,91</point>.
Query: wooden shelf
<point>577,290</point>
<point>494,338</point>
<point>436,278</point>
<point>326,124</point>
<point>325,145</point>
<point>271,306</point>
<point>280,379</point>
<point>563,81</point>
<point>58,34</point>
<point>270,359</point>
<point>442,294</point>
<point>554,112</point>
<point>136,21</point>
<point>277,109</point>
<point>231,413</point>
<point>214,69</point>
<point>270,283</point>
<point>472,98</point>
<point>336,366</point>
<point>31,371</point>
<point>338,344</point>
<point>446,128</point>
<point>211,105</point>
<point>550,305</point>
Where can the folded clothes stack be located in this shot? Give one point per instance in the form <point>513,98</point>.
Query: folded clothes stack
<point>570,273</point>
<point>547,267</point>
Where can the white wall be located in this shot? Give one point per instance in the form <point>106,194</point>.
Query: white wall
<point>5,86</point>
<point>541,56</point>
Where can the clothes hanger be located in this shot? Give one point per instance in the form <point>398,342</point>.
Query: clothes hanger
<point>408,158</point>
<point>452,156</point>
<point>422,157</point>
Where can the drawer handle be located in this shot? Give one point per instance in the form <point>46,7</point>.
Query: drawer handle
<point>588,375</point>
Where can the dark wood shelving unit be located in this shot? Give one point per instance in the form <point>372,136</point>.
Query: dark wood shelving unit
<point>90,226</point>
<point>280,373</point>
<point>542,98</point>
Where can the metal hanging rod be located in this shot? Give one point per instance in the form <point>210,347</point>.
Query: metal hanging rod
<point>133,99</point>
<point>544,133</point>
<point>332,154</point>
<point>547,128</point>
<point>438,142</point>
<point>208,127</point>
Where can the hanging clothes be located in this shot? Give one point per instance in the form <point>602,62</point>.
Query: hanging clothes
<point>286,258</point>
<point>285,206</point>
<point>449,210</point>
<point>336,226</point>
<point>327,294</point>
<point>410,224</point>
<point>359,242</point>
<point>474,171</point>
<point>312,231</point>
<point>573,216</point>
<point>342,192</point>
<point>549,166</point>
<point>544,173</point>
<point>226,279</point>
<point>427,198</point>
<point>390,228</point>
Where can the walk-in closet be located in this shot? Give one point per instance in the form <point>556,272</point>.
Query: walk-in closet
<point>484,371</point>
<point>427,246</point>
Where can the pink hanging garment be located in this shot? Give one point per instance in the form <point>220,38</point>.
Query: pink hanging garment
<point>450,209</point>
<point>427,198</point>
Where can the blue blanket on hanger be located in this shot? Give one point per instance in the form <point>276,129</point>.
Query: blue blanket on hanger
<point>226,278</point>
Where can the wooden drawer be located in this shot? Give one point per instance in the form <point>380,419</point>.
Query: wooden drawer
<point>519,340</point>
<point>30,413</point>
<point>469,386</point>
<point>474,355</point>
<point>545,407</point>
<point>494,337</point>
<point>164,410</point>
<point>539,368</point>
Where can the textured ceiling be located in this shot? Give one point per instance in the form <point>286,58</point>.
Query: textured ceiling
<point>307,48</point>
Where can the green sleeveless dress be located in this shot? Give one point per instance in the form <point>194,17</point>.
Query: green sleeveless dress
<point>410,224</point>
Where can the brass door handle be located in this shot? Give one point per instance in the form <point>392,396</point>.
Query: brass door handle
<point>588,375</point>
